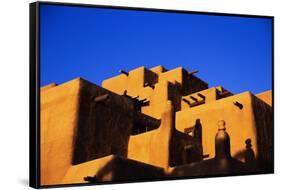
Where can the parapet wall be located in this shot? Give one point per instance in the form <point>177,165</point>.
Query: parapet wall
<point>157,85</point>
<point>249,120</point>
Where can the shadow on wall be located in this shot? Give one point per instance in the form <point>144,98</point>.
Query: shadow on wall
<point>194,153</point>
<point>104,126</point>
<point>263,162</point>
<point>221,164</point>
<point>264,126</point>
<point>247,155</point>
<point>122,169</point>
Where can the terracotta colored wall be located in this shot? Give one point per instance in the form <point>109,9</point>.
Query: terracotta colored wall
<point>153,147</point>
<point>209,94</point>
<point>162,92</point>
<point>266,97</point>
<point>78,134</point>
<point>163,147</point>
<point>72,131</point>
<point>241,124</point>
<point>195,85</point>
<point>47,87</point>
<point>158,69</point>
<point>59,118</point>
<point>103,127</point>
<point>168,85</point>
<point>264,125</point>
<point>133,83</point>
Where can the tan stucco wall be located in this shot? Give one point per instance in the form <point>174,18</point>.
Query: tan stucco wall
<point>72,131</point>
<point>77,135</point>
<point>162,147</point>
<point>240,123</point>
<point>266,97</point>
<point>58,120</point>
<point>168,85</point>
<point>153,147</point>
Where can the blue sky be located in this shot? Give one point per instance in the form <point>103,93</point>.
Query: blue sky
<point>94,43</point>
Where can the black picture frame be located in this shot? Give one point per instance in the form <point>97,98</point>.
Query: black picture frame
<point>34,83</point>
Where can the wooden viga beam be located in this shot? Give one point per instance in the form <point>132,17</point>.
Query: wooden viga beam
<point>123,72</point>
<point>137,116</point>
<point>195,103</point>
<point>193,72</point>
<point>101,98</point>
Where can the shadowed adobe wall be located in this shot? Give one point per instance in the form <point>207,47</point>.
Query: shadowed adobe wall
<point>72,131</point>
<point>149,155</point>
<point>266,97</point>
<point>243,123</point>
<point>104,125</point>
<point>264,124</point>
<point>112,168</point>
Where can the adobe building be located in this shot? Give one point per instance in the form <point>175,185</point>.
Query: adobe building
<point>149,124</point>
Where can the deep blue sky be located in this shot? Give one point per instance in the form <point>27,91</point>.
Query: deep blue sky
<point>94,43</point>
